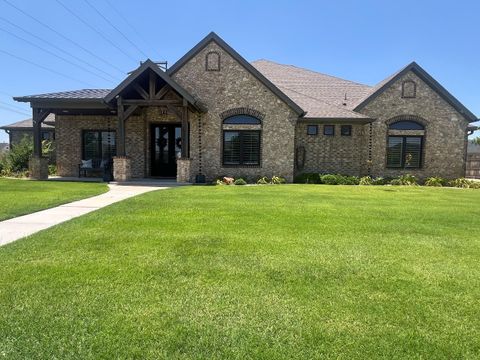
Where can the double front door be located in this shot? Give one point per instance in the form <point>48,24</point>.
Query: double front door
<point>166,147</point>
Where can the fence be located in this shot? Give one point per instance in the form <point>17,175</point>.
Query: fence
<point>473,166</point>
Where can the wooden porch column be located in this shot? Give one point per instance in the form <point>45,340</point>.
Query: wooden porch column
<point>185,134</point>
<point>38,115</point>
<point>121,128</point>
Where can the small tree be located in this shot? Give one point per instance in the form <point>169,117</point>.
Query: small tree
<point>16,160</point>
<point>475,141</point>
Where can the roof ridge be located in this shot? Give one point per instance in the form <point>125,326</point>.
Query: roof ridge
<point>324,102</point>
<point>312,71</point>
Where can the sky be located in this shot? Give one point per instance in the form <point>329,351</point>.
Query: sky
<point>94,43</point>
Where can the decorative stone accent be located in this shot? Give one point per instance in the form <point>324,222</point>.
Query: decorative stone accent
<point>38,168</point>
<point>122,169</point>
<point>242,111</point>
<point>212,61</point>
<point>184,167</point>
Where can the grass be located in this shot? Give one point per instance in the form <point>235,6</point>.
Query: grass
<point>274,272</point>
<point>20,197</point>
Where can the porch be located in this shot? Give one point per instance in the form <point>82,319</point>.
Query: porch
<point>149,116</point>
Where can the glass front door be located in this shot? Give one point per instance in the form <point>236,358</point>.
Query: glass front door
<point>166,144</point>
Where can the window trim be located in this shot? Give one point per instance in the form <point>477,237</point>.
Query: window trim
<point>84,131</point>
<point>313,127</point>
<point>417,123</point>
<point>344,127</point>
<point>325,127</point>
<point>404,145</point>
<point>226,120</point>
<point>241,164</point>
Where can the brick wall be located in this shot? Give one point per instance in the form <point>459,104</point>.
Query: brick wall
<point>445,138</point>
<point>229,88</point>
<point>332,154</point>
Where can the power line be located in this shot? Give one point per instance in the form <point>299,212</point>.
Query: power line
<point>52,53</point>
<point>15,111</point>
<point>97,31</point>
<point>43,67</point>
<point>12,106</point>
<point>64,37</point>
<point>59,48</point>
<point>116,28</point>
<point>139,34</point>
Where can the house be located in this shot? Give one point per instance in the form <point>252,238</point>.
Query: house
<point>213,113</point>
<point>20,129</point>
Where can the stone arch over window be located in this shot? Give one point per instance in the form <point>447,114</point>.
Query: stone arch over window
<point>212,61</point>
<point>406,120</point>
<point>409,89</point>
<point>242,111</point>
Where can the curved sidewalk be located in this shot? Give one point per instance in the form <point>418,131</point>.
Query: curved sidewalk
<point>19,227</point>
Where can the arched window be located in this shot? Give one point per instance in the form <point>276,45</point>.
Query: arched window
<point>241,141</point>
<point>404,149</point>
<point>406,125</point>
<point>242,120</point>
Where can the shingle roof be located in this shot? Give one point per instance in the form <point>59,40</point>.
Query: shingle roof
<point>320,95</point>
<point>87,94</point>
<point>49,123</point>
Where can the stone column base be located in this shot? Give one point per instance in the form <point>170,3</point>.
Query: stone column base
<point>38,168</point>
<point>183,170</point>
<point>122,169</point>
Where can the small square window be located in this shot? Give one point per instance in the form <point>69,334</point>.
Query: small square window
<point>346,130</point>
<point>312,129</point>
<point>329,130</point>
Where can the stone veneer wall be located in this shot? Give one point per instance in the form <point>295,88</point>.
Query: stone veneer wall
<point>332,154</point>
<point>445,141</point>
<point>229,88</point>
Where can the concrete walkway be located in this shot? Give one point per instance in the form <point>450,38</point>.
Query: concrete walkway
<point>19,227</point>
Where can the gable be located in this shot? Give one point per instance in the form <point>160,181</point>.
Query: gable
<point>425,78</point>
<point>213,38</point>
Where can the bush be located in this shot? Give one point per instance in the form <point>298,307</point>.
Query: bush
<point>380,181</point>
<point>219,182</point>
<point>329,179</point>
<point>263,181</point>
<point>349,180</point>
<point>396,182</point>
<point>461,183</point>
<point>52,169</point>
<point>366,180</point>
<point>278,180</point>
<point>407,179</point>
<point>308,178</point>
<point>240,181</point>
<point>435,181</point>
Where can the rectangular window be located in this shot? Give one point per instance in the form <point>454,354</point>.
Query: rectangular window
<point>312,129</point>
<point>404,152</point>
<point>329,130</point>
<point>346,130</point>
<point>241,147</point>
<point>99,145</point>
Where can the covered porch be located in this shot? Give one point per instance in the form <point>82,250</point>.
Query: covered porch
<point>149,115</point>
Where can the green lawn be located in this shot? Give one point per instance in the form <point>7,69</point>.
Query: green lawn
<point>271,272</point>
<point>20,197</point>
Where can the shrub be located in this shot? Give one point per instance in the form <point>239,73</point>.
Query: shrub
<point>366,180</point>
<point>396,182</point>
<point>308,178</point>
<point>380,181</point>
<point>240,181</point>
<point>52,169</point>
<point>219,182</point>
<point>278,180</point>
<point>404,180</point>
<point>350,180</point>
<point>329,179</point>
<point>435,181</point>
<point>460,183</point>
<point>263,181</point>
